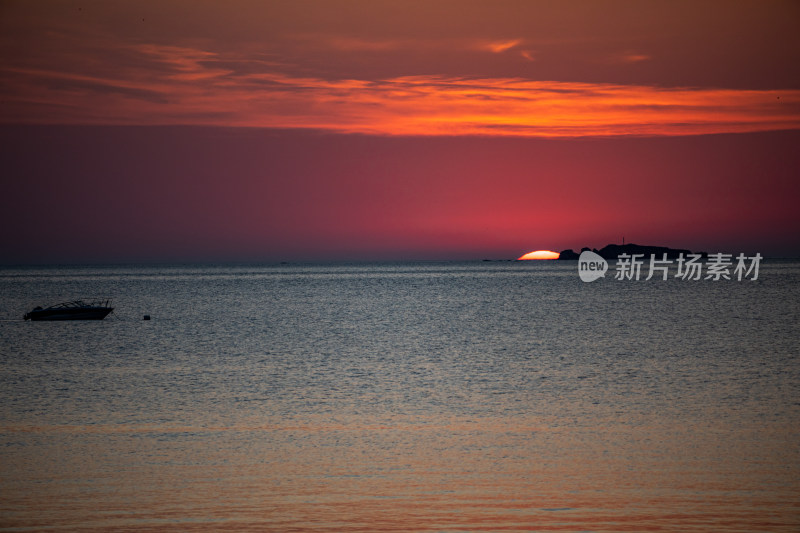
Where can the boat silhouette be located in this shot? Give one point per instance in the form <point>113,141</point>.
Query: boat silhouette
<point>74,310</point>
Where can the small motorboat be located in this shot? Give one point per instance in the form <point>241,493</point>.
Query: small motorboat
<point>75,310</point>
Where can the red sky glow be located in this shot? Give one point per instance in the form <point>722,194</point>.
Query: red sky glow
<point>318,130</point>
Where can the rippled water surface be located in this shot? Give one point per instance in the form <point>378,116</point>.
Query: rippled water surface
<point>400,397</point>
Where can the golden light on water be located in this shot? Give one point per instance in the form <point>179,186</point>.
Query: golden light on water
<point>539,254</point>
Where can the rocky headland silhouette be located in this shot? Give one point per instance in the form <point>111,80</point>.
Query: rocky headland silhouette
<point>612,251</point>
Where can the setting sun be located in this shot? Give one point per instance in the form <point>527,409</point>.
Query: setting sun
<point>539,254</point>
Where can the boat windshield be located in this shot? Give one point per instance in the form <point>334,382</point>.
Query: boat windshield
<point>81,304</point>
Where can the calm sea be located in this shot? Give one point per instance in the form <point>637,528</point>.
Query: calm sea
<point>485,396</point>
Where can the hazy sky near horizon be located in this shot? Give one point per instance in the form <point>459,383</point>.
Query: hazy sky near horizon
<point>184,130</point>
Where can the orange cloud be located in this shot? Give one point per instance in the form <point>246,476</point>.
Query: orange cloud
<point>635,58</point>
<point>169,85</point>
<point>500,46</point>
<point>626,57</point>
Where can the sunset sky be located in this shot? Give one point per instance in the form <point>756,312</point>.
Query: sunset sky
<point>314,130</point>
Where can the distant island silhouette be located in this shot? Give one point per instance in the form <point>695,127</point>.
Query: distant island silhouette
<point>612,251</point>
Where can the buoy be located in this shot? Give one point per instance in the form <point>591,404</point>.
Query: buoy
<point>147,317</point>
